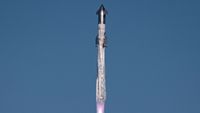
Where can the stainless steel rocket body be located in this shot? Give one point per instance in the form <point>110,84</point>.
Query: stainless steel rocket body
<point>101,44</point>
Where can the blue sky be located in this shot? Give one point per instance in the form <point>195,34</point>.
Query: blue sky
<point>48,56</point>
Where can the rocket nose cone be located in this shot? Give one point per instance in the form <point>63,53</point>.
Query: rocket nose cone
<point>101,12</point>
<point>101,9</point>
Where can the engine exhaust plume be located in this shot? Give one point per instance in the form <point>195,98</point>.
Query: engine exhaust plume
<point>100,107</point>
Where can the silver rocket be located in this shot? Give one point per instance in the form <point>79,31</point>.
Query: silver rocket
<point>101,44</point>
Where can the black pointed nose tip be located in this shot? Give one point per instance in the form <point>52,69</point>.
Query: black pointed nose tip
<point>101,8</point>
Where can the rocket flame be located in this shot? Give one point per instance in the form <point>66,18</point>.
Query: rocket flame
<point>100,107</point>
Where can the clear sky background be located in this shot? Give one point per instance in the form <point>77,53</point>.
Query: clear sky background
<point>48,56</point>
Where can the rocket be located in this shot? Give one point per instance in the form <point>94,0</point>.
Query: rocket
<point>101,45</point>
